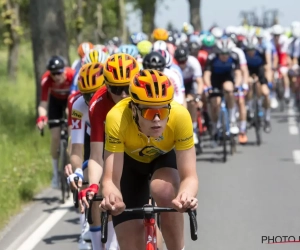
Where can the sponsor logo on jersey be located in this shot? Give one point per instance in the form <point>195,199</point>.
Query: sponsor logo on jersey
<point>76,123</point>
<point>113,140</point>
<point>150,151</point>
<point>185,139</point>
<point>76,114</point>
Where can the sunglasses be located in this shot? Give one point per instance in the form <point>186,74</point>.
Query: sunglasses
<point>149,114</point>
<point>56,73</point>
<point>87,97</point>
<point>117,90</point>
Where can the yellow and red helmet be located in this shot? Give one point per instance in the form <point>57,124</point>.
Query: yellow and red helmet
<point>160,34</point>
<point>119,69</point>
<point>151,87</point>
<point>90,77</point>
<point>84,48</point>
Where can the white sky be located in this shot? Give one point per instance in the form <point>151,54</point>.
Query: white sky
<point>223,12</point>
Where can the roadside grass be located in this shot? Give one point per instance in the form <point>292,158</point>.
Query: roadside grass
<point>25,162</point>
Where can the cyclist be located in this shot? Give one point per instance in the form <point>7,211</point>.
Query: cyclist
<point>155,60</point>
<point>281,43</point>
<point>118,71</point>
<point>145,135</point>
<point>90,80</point>
<point>55,83</point>
<point>82,49</point>
<point>256,60</point>
<point>137,37</point>
<point>271,56</point>
<point>218,73</point>
<point>193,83</point>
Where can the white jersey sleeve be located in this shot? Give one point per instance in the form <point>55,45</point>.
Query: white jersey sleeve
<point>80,119</point>
<point>75,63</point>
<point>241,55</point>
<point>195,65</point>
<point>179,94</point>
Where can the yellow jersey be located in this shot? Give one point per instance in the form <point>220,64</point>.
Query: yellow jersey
<point>123,135</point>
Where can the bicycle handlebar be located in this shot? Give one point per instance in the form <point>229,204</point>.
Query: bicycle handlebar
<point>54,121</point>
<point>147,209</point>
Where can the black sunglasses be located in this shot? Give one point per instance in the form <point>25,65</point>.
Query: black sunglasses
<point>117,90</point>
<point>56,73</point>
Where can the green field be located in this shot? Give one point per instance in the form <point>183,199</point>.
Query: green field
<point>25,162</point>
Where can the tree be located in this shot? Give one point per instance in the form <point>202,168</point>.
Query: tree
<point>147,9</point>
<point>122,21</point>
<point>48,35</point>
<point>11,19</point>
<point>195,19</point>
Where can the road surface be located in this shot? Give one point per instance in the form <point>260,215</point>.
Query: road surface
<point>254,195</point>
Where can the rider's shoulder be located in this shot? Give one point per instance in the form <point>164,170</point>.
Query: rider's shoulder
<point>212,56</point>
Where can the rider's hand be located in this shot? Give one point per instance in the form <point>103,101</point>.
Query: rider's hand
<point>71,176</point>
<point>90,191</point>
<point>113,203</point>
<point>184,201</point>
<point>41,122</point>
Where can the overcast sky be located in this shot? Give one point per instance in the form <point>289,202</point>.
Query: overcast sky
<point>223,12</point>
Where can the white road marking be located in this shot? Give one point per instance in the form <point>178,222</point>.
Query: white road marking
<point>292,121</point>
<point>36,237</point>
<point>296,156</point>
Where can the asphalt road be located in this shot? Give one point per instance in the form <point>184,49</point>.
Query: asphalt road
<point>254,194</point>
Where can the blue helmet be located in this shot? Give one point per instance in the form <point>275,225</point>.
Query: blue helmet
<point>137,37</point>
<point>129,49</point>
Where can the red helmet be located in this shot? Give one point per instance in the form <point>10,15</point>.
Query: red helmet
<point>202,57</point>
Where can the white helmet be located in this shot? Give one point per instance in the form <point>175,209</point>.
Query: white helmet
<point>295,24</point>
<point>187,28</point>
<point>277,29</point>
<point>160,45</point>
<point>217,32</point>
<point>296,32</point>
<point>224,45</point>
<point>251,42</point>
<point>95,56</point>
<point>230,30</point>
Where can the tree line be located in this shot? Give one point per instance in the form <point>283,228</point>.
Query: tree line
<point>52,25</point>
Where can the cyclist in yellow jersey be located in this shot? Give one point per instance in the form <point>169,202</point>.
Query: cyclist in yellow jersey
<point>149,133</point>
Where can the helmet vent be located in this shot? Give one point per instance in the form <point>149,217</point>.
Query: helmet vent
<point>148,90</point>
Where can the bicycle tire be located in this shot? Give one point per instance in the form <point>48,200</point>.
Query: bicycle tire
<point>257,124</point>
<point>232,144</point>
<point>63,180</point>
<point>280,94</point>
<point>224,135</point>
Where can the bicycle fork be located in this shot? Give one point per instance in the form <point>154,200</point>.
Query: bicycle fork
<point>150,234</point>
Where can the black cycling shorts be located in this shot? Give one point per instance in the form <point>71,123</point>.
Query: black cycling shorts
<point>87,147</point>
<point>56,110</point>
<point>135,182</point>
<point>259,72</point>
<point>217,81</point>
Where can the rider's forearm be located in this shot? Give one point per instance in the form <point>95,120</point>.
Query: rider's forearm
<point>206,79</point>
<point>245,73</point>
<point>189,185</point>
<point>42,108</point>
<point>95,171</point>
<point>200,85</point>
<point>76,161</point>
<point>109,187</point>
<point>238,78</point>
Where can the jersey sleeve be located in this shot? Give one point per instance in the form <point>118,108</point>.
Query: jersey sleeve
<point>79,119</point>
<point>196,67</point>
<point>97,118</point>
<point>184,135</point>
<point>45,86</point>
<point>74,85</point>
<point>114,140</point>
<point>209,62</point>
